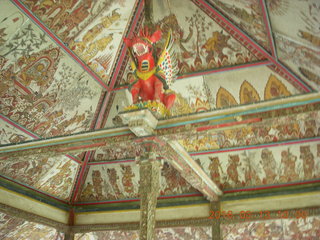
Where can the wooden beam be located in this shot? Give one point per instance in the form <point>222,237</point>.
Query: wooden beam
<point>111,137</point>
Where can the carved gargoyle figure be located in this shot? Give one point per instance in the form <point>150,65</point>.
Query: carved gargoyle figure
<point>153,75</point>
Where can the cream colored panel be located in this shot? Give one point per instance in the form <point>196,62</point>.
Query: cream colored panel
<point>29,205</point>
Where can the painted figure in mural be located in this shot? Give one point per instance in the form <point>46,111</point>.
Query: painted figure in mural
<point>152,77</point>
<point>127,176</point>
<point>269,166</point>
<point>288,161</point>
<point>308,161</point>
<point>232,170</point>
<point>97,183</point>
<point>214,170</point>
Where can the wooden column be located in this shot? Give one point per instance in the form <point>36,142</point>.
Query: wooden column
<point>149,191</point>
<point>216,230</point>
<point>69,235</point>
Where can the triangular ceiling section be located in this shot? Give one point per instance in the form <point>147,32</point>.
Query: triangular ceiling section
<point>92,31</point>
<point>53,177</point>
<point>43,89</point>
<point>207,42</point>
<point>247,15</point>
<point>298,45</point>
<point>17,228</point>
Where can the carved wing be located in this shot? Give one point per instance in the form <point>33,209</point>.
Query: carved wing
<point>167,67</point>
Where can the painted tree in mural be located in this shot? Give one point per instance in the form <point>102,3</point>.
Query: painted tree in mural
<point>153,75</point>
<point>24,42</point>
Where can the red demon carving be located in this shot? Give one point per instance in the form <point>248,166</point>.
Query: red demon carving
<point>152,79</point>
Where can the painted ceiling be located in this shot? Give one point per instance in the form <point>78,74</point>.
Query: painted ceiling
<point>65,70</point>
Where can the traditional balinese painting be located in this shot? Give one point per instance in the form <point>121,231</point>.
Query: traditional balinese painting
<point>303,60</point>
<point>34,93</point>
<point>209,92</point>
<point>121,181</point>
<point>122,151</point>
<point>96,44</point>
<point>247,86</point>
<point>179,233</point>
<point>201,43</point>
<point>121,100</point>
<point>298,44</point>
<point>10,134</point>
<point>182,233</point>
<point>303,125</point>
<point>12,228</point>
<point>248,16</point>
<point>108,235</point>
<point>263,166</point>
<point>51,175</point>
<point>92,29</point>
<point>297,229</point>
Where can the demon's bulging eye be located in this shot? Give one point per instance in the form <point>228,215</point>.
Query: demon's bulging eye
<point>140,49</point>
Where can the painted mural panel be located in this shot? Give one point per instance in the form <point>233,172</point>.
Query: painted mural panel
<point>272,165</point>
<point>304,14</point>
<point>121,181</point>
<point>97,44</point>
<point>10,134</point>
<point>303,125</point>
<point>200,43</point>
<point>219,90</point>
<point>12,228</point>
<point>34,93</point>
<point>67,18</point>
<point>108,235</point>
<point>179,233</point>
<point>247,86</point>
<point>284,229</point>
<point>303,60</point>
<point>52,175</point>
<point>248,16</point>
<point>182,233</point>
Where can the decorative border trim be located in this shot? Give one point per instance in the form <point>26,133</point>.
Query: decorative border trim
<point>267,22</point>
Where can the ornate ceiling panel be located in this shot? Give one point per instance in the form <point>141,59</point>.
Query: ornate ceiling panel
<point>60,60</point>
<point>248,16</point>
<point>258,166</point>
<point>92,29</point>
<point>43,89</point>
<point>119,181</point>
<point>54,176</point>
<point>179,233</point>
<point>302,59</point>
<point>298,44</point>
<point>277,229</point>
<point>12,228</point>
<point>298,126</point>
<point>10,133</point>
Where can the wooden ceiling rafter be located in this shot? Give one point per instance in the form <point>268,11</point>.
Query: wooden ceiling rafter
<point>81,177</point>
<point>238,34</point>
<point>267,23</point>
